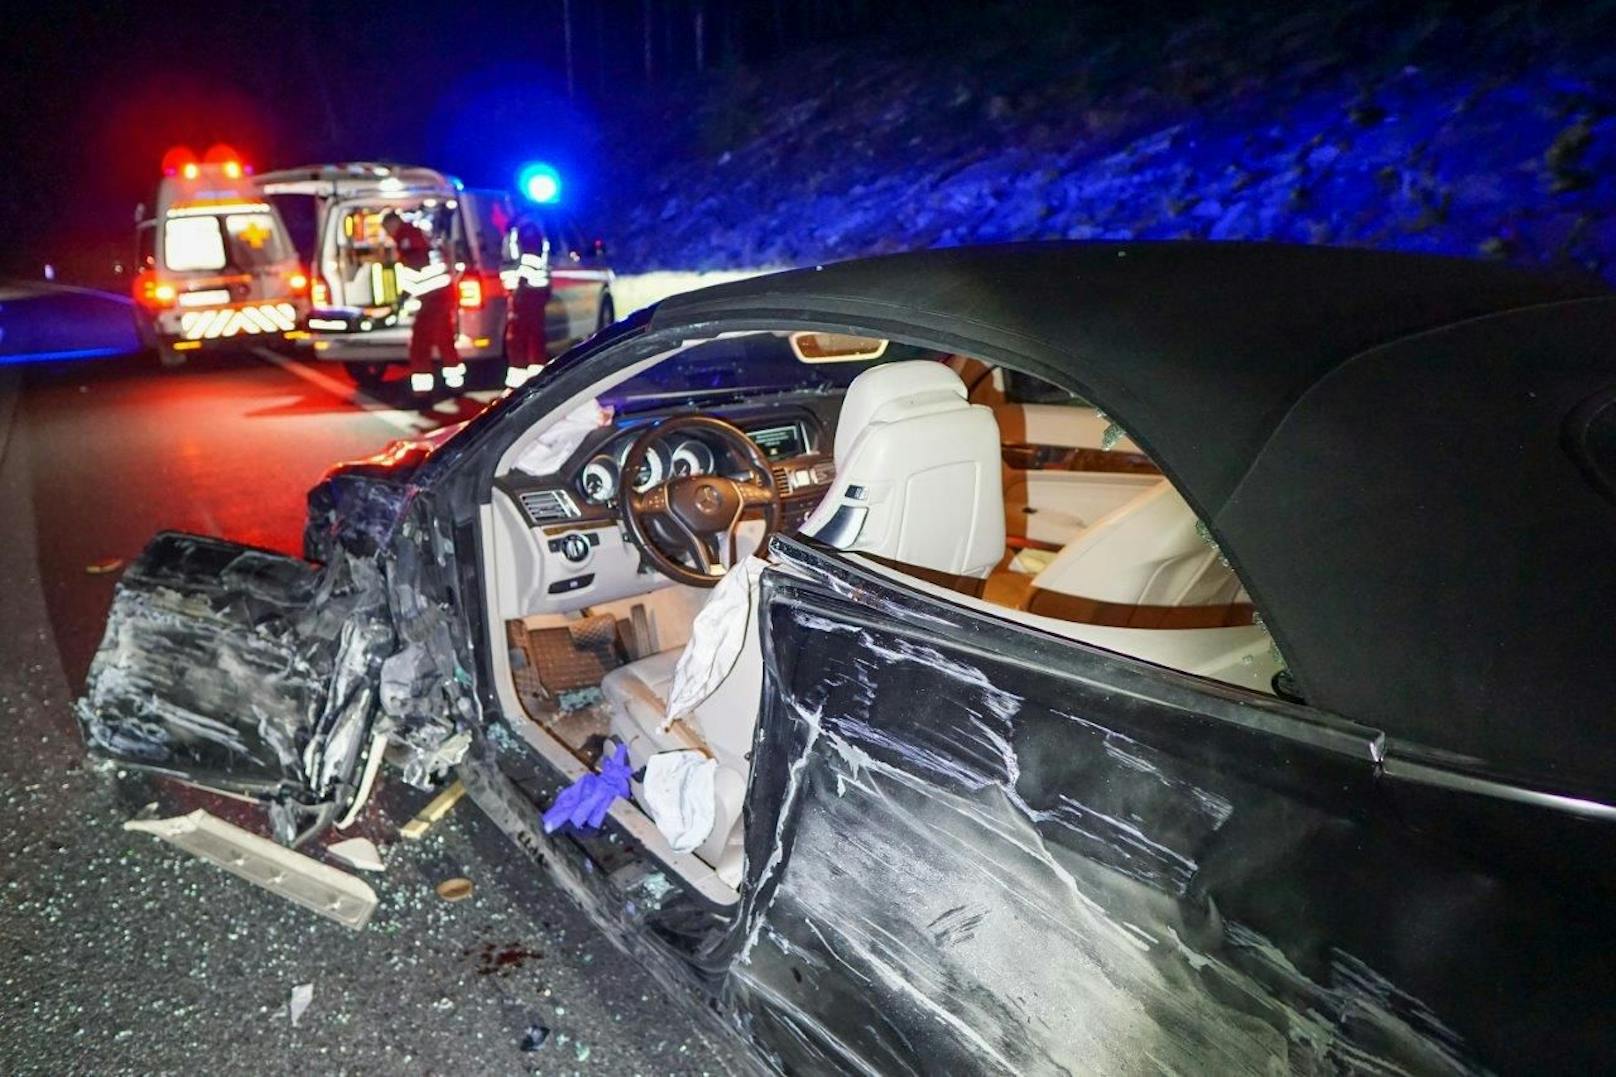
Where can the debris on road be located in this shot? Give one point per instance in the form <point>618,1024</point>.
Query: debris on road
<point>436,809</point>
<point>302,996</point>
<point>358,853</point>
<point>456,889</point>
<point>535,1036</point>
<point>104,567</point>
<point>318,887</point>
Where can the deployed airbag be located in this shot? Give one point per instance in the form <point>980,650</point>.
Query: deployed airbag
<point>717,636</point>
<point>679,793</point>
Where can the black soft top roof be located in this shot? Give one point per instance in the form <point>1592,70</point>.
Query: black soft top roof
<point>1379,442</point>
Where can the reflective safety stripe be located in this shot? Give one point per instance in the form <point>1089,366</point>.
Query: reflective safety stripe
<point>422,281</point>
<point>210,209</point>
<point>533,272</point>
<point>232,321</point>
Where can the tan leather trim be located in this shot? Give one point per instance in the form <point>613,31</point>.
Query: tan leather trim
<point>1024,456</point>
<point>1022,542</point>
<point>1007,589</point>
<point>965,585</point>
<point>1120,615</point>
<point>1015,591</point>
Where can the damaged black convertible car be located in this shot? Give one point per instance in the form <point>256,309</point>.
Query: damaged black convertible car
<point>1047,658</point>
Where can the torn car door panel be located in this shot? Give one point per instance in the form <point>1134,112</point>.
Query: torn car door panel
<point>979,856</point>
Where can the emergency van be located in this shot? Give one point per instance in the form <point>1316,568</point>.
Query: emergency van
<point>215,266</point>
<point>361,306</point>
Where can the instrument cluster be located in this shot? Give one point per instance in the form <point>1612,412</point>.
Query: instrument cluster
<point>601,478</point>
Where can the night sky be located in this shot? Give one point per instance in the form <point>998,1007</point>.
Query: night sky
<point>96,94</point>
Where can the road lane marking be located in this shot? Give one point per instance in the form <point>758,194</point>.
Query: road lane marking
<point>410,422</point>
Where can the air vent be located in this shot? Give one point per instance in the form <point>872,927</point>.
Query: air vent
<point>546,506</point>
<point>789,480</point>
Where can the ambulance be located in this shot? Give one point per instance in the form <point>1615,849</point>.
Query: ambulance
<point>215,266</point>
<point>361,308</point>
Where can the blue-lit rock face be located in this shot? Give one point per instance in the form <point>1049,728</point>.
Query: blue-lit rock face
<point>1492,139</point>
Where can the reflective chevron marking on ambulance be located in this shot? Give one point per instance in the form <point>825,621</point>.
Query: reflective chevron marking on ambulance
<point>233,321</point>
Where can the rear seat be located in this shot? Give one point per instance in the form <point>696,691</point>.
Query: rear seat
<point>1143,565</point>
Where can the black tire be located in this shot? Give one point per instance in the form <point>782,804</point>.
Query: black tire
<point>608,312</point>
<point>167,356</point>
<point>368,376</point>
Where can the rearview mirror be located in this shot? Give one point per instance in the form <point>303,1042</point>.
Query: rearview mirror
<point>836,347</point>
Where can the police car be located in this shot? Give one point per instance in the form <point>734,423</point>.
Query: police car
<point>362,309</point>
<point>215,265</point>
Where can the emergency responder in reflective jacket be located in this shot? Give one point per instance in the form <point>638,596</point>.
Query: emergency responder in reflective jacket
<point>530,293</point>
<point>428,278</point>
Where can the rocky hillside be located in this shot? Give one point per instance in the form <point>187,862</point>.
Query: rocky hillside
<point>1374,124</point>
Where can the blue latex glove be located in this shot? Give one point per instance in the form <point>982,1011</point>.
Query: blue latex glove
<point>585,802</point>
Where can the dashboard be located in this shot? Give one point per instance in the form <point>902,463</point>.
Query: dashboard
<point>577,552</point>
<point>600,480</point>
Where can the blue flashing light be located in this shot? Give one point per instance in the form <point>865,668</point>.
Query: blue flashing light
<point>539,183</point>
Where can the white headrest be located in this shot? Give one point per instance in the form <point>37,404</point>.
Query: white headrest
<point>896,390</point>
<point>917,473</point>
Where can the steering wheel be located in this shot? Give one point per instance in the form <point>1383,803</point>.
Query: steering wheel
<point>690,511</point>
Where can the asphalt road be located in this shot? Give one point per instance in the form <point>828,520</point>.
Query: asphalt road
<point>121,954</point>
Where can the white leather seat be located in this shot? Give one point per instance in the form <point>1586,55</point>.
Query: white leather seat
<point>918,476</point>
<point>720,725</point>
<point>1147,552</point>
<point>641,687</point>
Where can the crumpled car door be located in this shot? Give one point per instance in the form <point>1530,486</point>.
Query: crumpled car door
<point>242,670</point>
<point>977,848</point>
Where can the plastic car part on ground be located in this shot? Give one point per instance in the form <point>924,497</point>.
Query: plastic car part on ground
<point>679,792</point>
<point>358,853</point>
<point>585,802</point>
<point>318,887</point>
<point>458,888</point>
<point>436,809</point>
<point>298,1004</point>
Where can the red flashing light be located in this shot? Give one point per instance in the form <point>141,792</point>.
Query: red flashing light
<point>191,170</point>
<point>176,158</point>
<point>150,292</point>
<point>232,169</point>
<point>298,282</point>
